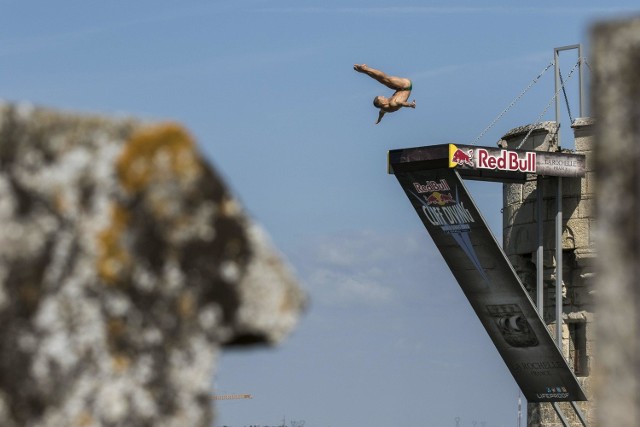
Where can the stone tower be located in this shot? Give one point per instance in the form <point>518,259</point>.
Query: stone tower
<point>521,245</point>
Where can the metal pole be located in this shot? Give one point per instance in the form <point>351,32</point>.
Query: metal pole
<point>576,408</point>
<point>559,265</point>
<point>519,409</point>
<point>556,58</point>
<point>563,419</point>
<point>580,80</point>
<point>540,253</point>
<point>556,86</point>
<point>558,211</point>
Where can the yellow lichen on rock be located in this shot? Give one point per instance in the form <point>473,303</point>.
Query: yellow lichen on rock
<point>157,153</point>
<point>186,305</point>
<point>151,155</point>
<point>121,363</point>
<point>113,257</point>
<point>84,419</point>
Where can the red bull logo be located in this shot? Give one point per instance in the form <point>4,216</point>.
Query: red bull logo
<point>431,186</point>
<point>507,160</point>
<point>457,157</point>
<point>440,199</point>
<point>482,158</point>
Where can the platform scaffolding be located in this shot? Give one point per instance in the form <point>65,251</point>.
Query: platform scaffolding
<point>558,85</point>
<point>432,178</point>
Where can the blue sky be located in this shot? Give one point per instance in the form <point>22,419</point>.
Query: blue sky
<point>268,90</point>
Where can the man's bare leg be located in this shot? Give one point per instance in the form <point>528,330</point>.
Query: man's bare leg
<point>392,82</point>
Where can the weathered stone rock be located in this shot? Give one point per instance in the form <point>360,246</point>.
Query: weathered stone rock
<point>125,263</point>
<point>615,94</point>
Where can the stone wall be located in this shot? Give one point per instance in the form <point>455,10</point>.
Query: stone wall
<point>520,243</point>
<point>616,102</point>
<point>125,264</point>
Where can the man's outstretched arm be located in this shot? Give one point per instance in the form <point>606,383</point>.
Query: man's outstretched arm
<point>411,104</point>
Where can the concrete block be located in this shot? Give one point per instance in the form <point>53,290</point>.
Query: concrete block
<point>529,190</point>
<point>584,130</point>
<point>521,239</point>
<point>585,257</point>
<point>584,144</point>
<point>588,183</point>
<point>542,136</point>
<point>568,239</point>
<point>579,230</point>
<point>570,207</point>
<point>571,187</point>
<point>525,214</point>
<point>550,188</point>
<point>512,194</point>
<point>586,208</point>
<point>589,161</point>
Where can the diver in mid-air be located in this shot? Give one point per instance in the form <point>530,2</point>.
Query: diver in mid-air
<point>399,98</point>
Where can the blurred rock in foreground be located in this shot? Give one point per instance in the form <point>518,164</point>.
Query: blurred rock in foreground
<point>124,265</point>
<point>615,96</point>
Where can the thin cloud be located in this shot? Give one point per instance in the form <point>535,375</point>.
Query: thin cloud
<point>452,10</point>
<point>374,10</point>
<point>340,288</point>
<point>365,268</point>
<point>534,57</point>
<point>63,38</point>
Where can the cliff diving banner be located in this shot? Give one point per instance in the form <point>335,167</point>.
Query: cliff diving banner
<point>485,275</point>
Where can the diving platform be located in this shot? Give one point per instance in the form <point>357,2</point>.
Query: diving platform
<point>433,177</point>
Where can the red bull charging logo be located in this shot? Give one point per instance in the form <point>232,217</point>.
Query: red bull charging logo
<point>457,157</point>
<point>440,199</point>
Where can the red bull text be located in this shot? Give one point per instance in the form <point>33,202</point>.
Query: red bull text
<point>506,160</point>
<point>431,186</point>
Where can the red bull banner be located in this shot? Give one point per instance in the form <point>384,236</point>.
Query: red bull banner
<point>488,163</point>
<point>483,271</point>
<point>482,158</point>
<point>515,161</point>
